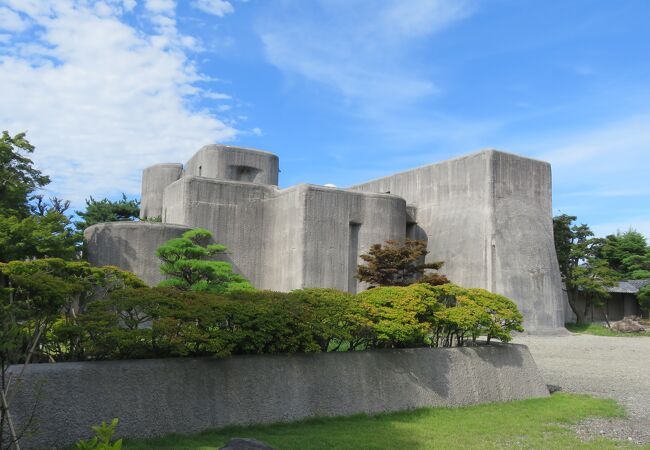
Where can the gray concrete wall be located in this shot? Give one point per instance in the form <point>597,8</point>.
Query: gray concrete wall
<point>157,397</point>
<point>225,162</point>
<point>130,246</point>
<point>154,181</point>
<point>331,253</point>
<point>488,217</point>
<point>291,238</point>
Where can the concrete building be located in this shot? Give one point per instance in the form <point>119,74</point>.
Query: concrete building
<point>487,215</point>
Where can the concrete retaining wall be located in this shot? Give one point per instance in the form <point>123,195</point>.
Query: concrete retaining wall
<point>157,397</point>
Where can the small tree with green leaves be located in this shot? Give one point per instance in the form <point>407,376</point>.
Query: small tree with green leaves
<point>399,263</point>
<point>187,264</point>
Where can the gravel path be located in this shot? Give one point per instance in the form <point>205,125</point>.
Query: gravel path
<point>613,367</point>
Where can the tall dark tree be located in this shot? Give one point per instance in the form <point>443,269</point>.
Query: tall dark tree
<point>584,274</point>
<point>19,179</point>
<point>399,263</point>
<point>106,210</point>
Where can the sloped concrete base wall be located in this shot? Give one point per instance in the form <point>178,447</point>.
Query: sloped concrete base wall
<point>157,397</point>
<point>131,246</point>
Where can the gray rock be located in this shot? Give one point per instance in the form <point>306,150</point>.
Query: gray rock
<point>628,325</point>
<point>246,444</point>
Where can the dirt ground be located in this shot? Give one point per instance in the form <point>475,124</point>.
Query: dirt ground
<point>613,367</point>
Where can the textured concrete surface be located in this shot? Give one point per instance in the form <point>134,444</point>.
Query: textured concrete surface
<point>154,181</point>
<point>284,239</point>
<point>224,162</point>
<point>611,367</point>
<point>157,397</point>
<point>488,216</point>
<point>130,246</point>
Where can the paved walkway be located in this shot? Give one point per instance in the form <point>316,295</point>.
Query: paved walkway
<point>613,367</point>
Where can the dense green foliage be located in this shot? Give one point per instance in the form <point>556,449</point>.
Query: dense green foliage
<point>628,254</point>
<point>29,226</point>
<point>40,301</point>
<point>540,423</point>
<point>105,210</point>
<point>399,263</point>
<point>18,177</point>
<point>644,298</point>
<point>186,263</point>
<point>37,236</point>
<point>166,322</point>
<point>583,271</point>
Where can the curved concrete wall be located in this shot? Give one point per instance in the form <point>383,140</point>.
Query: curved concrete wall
<point>130,246</point>
<point>154,181</point>
<point>224,162</point>
<point>488,216</point>
<point>157,397</point>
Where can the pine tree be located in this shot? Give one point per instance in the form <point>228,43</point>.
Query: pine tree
<point>186,262</point>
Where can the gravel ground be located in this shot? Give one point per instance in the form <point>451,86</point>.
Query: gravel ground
<point>613,367</point>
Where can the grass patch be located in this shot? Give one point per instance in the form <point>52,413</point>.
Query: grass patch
<point>598,329</point>
<point>528,424</point>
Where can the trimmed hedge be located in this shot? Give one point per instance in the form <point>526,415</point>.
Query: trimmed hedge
<point>165,322</point>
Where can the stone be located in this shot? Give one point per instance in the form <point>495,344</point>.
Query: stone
<point>245,444</point>
<point>487,215</point>
<point>628,325</point>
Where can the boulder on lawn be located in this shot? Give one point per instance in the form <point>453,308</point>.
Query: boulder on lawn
<point>628,325</point>
<point>245,444</point>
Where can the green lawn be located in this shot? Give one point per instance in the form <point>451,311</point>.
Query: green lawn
<point>528,424</point>
<point>599,330</point>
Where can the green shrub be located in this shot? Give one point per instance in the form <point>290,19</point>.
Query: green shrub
<point>166,322</point>
<point>473,313</point>
<point>400,316</point>
<point>102,441</point>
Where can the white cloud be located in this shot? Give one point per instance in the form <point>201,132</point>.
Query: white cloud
<point>217,96</point>
<point>11,21</point>
<point>102,99</point>
<point>610,152</point>
<point>358,48</point>
<point>217,8</point>
<point>638,223</point>
<point>369,53</point>
<point>160,6</point>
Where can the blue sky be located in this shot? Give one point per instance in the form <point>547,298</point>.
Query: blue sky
<point>342,90</point>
